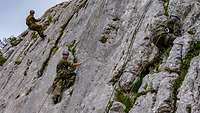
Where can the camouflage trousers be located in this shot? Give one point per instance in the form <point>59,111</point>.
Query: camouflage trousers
<point>38,28</point>
<point>59,86</point>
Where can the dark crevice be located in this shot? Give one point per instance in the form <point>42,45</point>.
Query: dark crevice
<point>131,96</point>
<point>38,40</point>
<point>20,58</point>
<point>45,63</point>
<point>128,98</point>
<point>163,39</point>
<point>3,106</point>
<point>25,72</point>
<point>28,65</point>
<point>29,91</point>
<point>185,64</point>
<point>189,108</point>
<point>115,79</point>
<point>17,96</point>
<point>26,51</point>
<point>11,73</point>
<point>6,82</point>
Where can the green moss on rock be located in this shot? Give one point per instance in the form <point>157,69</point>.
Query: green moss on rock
<point>14,41</point>
<point>184,68</point>
<point>34,35</point>
<point>125,99</point>
<point>166,5</point>
<point>192,31</point>
<point>103,39</point>
<point>54,49</point>
<point>2,60</point>
<point>186,63</point>
<point>50,19</point>
<point>18,62</point>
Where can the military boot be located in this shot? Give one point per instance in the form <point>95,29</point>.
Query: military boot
<point>56,99</point>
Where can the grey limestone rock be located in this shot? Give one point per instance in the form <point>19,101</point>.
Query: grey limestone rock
<point>117,50</point>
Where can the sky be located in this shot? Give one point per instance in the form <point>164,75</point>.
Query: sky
<point>13,14</point>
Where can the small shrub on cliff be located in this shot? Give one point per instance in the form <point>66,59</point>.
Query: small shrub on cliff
<point>166,5</point>
<point>18,62</point>
<point>125,99</point>
<point>192,31</point>
<point>2,59</point>
<point>50,19</point>
<point>103,39</point>
<point>14,41</point>
<point>195,51</point>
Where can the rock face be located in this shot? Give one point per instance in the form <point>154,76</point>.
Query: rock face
<point>138,56</point>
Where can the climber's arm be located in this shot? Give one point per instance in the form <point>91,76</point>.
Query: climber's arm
<point>36,20</point>
<point>76,64</point>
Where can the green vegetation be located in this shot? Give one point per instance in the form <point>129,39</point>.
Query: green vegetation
<point>18,62</point>
<point>103,39</point>
<point>2,59</point>
<point>163,37</point>
<point>110,103</point>
<point>125,99</point>
<point>184,69</point>
<point>145,86</point>
<point>34,35</point>
<point>186,63</point>
<point>54,49</point>
<point>45,63</point>
<point>72,49</point>
<point>14,41</point>
<point>138,81</point>
<point>49,19</point>
<point>136,84</point>
<point>162,41</point>
<point>192,31</point>
<point>61,33</point>
<point>166,5</point>
<point>128,99</point>
<point>166,51</point>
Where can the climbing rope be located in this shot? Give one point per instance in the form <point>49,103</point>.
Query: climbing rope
<point>129,48</point>
<point>40,109</point>
<point>51,90</point>
<point>143,67</point>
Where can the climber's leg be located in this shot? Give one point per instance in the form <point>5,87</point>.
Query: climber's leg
<point>39,29</point>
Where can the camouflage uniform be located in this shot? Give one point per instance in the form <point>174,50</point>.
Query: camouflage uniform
<point>31,23</point>
<point>65,79</point>
<point>165,33</point>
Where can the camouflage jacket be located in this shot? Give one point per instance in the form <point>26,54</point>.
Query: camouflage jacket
<point>65,69</point>
<point>30,20</point>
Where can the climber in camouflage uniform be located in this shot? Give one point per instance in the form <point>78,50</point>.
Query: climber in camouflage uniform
<point>165,32</point>
<point>65,77</point>
<point>31,23</point>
